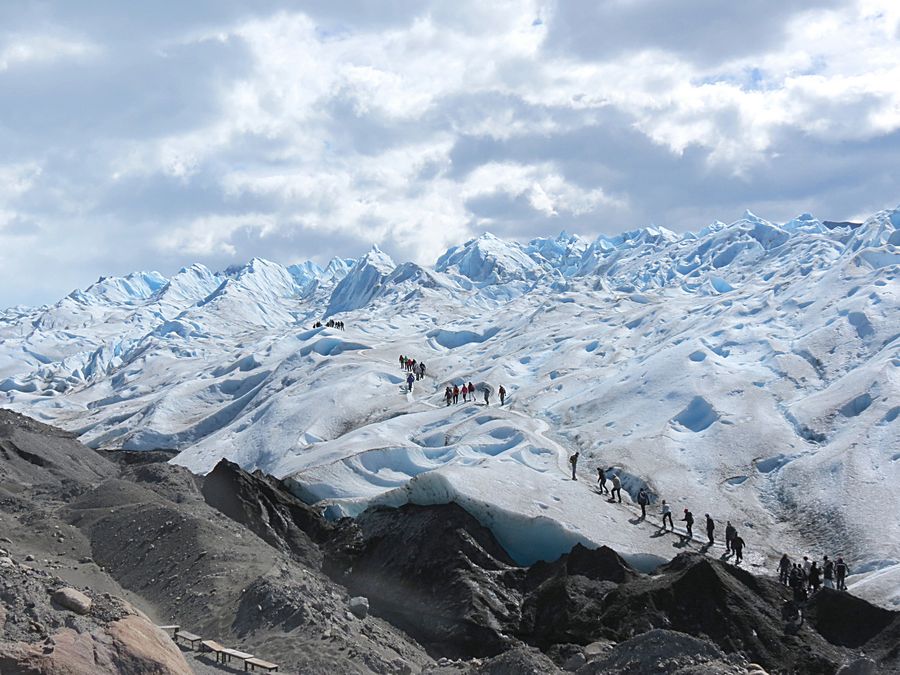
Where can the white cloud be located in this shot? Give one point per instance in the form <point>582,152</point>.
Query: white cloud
<point>39,49</point>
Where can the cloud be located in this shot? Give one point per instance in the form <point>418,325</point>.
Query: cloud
<point>152,136</point>
<point>37,49</point>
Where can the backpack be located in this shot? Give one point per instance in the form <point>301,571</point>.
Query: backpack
<point>643,498</point>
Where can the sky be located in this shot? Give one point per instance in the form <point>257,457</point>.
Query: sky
<point>139,136</point>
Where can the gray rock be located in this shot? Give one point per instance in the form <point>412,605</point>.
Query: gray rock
<point>73,600</point>
<point>359,606</point>
<point>859,667</point>
<point>574,662</point>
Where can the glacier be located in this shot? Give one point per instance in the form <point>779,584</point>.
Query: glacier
<point>748,370</point>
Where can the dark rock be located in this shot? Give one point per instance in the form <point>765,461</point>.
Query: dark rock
<point>435,572</point>
<point>564,597</point>
<point>736,610</point>
<point>275,515</point>
<point>664,651</point>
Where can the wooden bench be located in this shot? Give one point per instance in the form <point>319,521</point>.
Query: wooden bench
<point>187,637</point>
<point>255,663</point>
<point>170,629</point>
<point>214,647</point>
<point>228,654</point>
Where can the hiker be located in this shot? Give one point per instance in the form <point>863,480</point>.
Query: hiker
<point>487,395</point>
<point>617,487</point>
<point>455,393</point>
<point>409,382</point>
<point>795,581</point>
<point>815,577</point>
<point>601,478</point>
<point>730,534</point>
<point>643,500</point>
<point>573,460</point>
<point>828,572</point>
<point>710,529</point>
<point>806,567</point>
<point>688,521</point>
<point>502,393</point>
<point>448,394</point>
<point>465,392</point>
<point>784,569</point>
<point>402,360</point>
<point>471,392</point>
<point>667,513</point>
<point>841,570</point>
<point>422,370</point>
<point>737,545</point>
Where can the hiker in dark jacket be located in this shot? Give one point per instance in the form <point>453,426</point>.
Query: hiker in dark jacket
<point>828,572</point>
<point>710,529</point>
<point>841,570</point>
<point>815,577</point>
<point>688,521</point>
<point>784,569</point>
<point>573,460</point>
<point>730,534</point>
<point>643,500</point>
<point>601,478</point>
<point>737,545</point>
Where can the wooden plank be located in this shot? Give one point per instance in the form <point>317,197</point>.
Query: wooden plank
<point>187,637</point>
<point>236,654</point>
<point>255,663</point>
<point>215,648</point>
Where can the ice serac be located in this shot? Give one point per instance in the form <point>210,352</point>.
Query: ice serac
<point>364,281</point>
<point>305,274</point>
<point>488,260</point>
<point>189,286</point>
<point>563,252</point>
<point>253,295</point>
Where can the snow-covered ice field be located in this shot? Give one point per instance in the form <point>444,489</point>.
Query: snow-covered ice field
<point>749,371</point>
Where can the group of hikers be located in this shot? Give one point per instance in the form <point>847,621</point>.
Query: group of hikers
<point>331,323</point>
<point>808,577</point>
<point>734,544</point>
<point>453,392</point>
<point>416,370</point>
<point>803,578</point>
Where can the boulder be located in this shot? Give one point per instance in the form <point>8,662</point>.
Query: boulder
<point>73,600</point>
<point>129,646</point>
<point>359,606</point>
